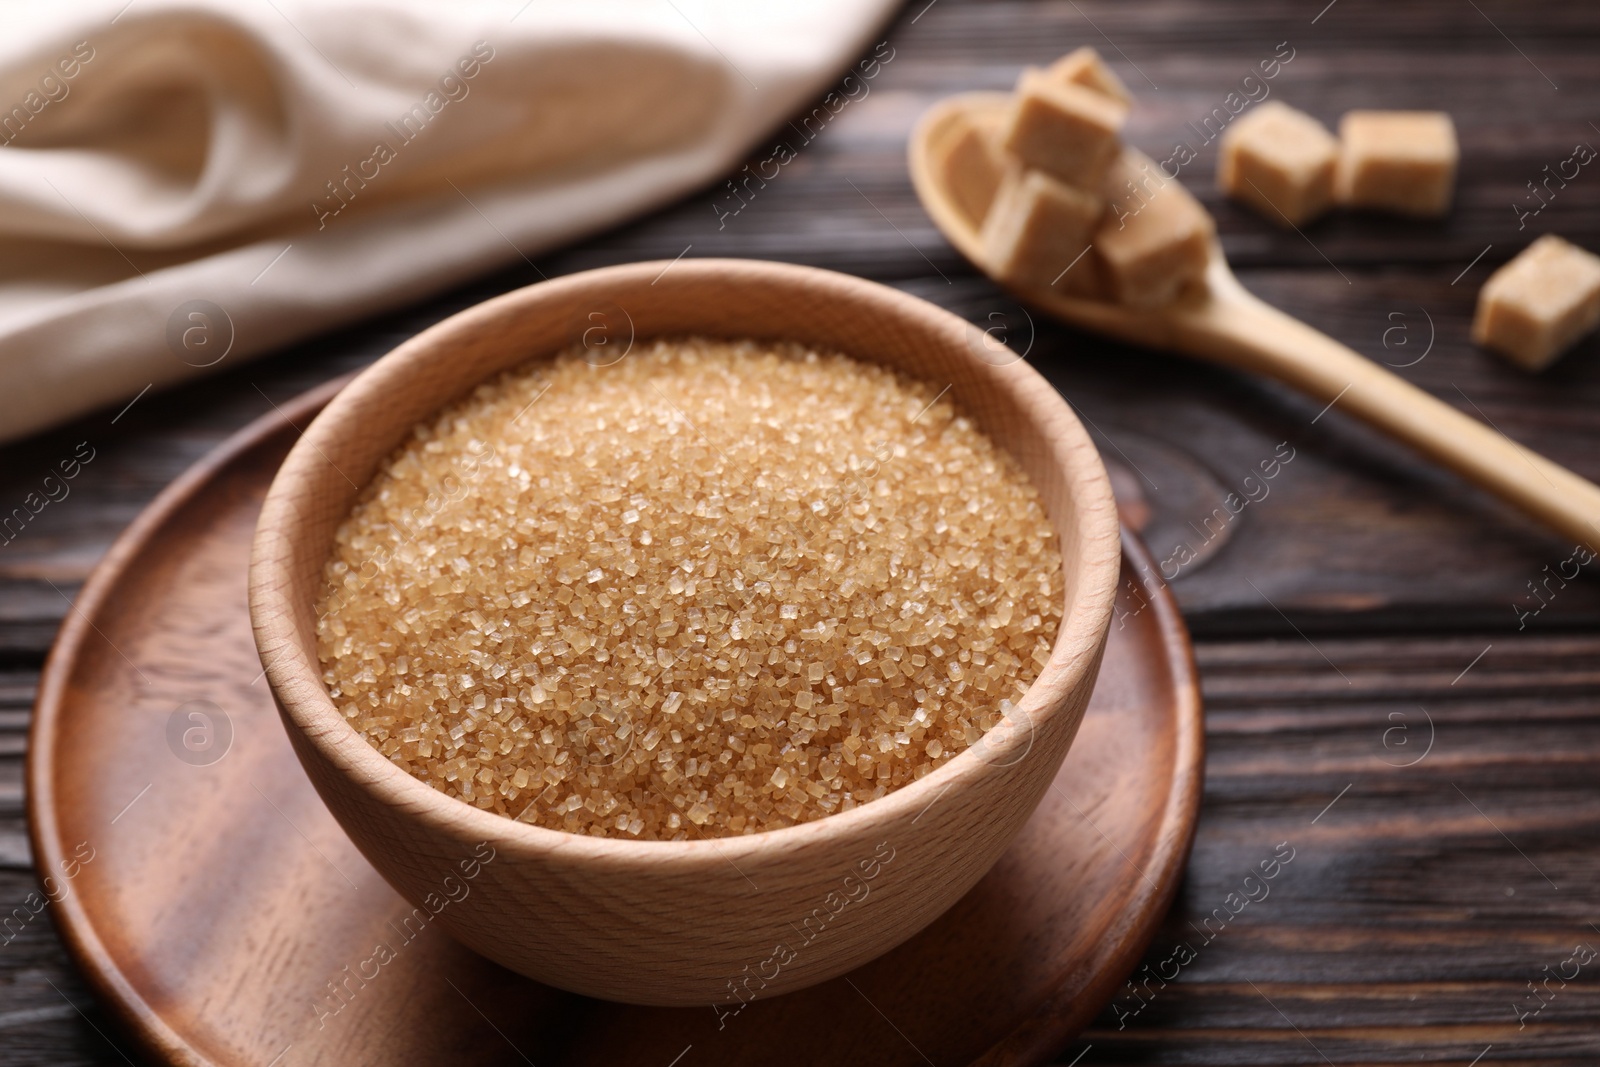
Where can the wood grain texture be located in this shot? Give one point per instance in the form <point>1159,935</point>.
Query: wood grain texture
<point>229,920</point>
<point>1360,545</point>
<point>824,210</point>
<point>676,923</point>
<point>1456,862</point>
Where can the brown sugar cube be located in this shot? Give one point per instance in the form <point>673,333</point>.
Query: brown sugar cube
<point>971,163</point>
<point>1038,231</point>
<point>1065,130</point>
<point>1279,161</point>
<point>1155,238</point>
<point>1399,161</point>
<point>1084,67</point>
<point>1538,305</point>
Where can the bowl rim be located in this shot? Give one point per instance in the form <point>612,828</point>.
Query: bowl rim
<point>307,709</point>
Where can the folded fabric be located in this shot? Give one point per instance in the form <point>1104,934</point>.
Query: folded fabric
<point>186,184</point>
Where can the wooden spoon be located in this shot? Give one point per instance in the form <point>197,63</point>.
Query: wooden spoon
<point>1225,324</point>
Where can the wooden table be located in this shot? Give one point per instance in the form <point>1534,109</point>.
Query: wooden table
<point>1382,697</point>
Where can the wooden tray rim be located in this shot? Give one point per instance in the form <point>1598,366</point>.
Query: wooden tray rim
<point>1050,1022</point>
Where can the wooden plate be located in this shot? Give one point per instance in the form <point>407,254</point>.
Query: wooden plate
<point>222,914</point>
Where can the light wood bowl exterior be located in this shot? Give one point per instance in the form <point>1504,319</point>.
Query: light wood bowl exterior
<point>700,922</point>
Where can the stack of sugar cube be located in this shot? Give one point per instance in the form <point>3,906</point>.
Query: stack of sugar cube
<point>1061,203</point>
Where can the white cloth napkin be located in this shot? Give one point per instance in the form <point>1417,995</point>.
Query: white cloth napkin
<point>186,183</point>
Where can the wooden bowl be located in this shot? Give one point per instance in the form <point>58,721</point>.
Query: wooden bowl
<point>689,922</point>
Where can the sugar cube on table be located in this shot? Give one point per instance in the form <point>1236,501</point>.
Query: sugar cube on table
<point>1066,130</point>
<point>1154,239</point>
<point>1279,161</point>
<point>1084,67</point>
<point>1540,303</point>
<point>1399,161</point>
<point>1038,231</point>
<point>971,163</point>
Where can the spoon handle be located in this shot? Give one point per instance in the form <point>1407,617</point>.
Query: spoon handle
<point>1237,329</point>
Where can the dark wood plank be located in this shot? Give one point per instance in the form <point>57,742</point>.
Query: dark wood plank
<point>1418,905</point>
<point>1357,538</point>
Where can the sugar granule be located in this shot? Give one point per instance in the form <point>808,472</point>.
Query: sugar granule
<point>715,588</point>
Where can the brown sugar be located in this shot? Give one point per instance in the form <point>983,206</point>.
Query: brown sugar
<point>973,164</point>
<point>714,588</point>
<point>1083,66</point>
<point>1038,231</point>
<point>1281,162</point>
<point>1539,304</point>
<point>1398,161</point>
<point>1155,239</point>
<point>1064,129</point>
